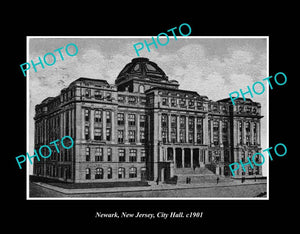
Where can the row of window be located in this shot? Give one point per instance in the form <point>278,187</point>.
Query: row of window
<point>182,129</point>
<point>183,103</point>
<point>247,130</point>
<point>99,155</point>
<point>249,171</point>
<point>120,118</point>
<point>99,173</point>
<point>216,124</point>
<point>98,94</point>
<point>131,99</point>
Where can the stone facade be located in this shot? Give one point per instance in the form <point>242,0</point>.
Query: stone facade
<point>142,128</point>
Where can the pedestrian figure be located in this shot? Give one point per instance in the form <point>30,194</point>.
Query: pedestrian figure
<point>157,181</point>
<point>217,179</point>
<point>187,180</point>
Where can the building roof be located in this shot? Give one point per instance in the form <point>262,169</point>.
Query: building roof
<point>104,82</point>
<point>175,90</point>
<point>142,68</point>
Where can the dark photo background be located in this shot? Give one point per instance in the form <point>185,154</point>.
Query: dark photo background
<point>220,213</point>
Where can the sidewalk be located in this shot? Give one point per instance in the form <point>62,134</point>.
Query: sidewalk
<point>153,186</point>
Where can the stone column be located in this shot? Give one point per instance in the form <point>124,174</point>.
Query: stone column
<point>195,129</point>
<point>177,128</point>
<point>92,112</point>
<point>113,130</point>
<point>159,127</point>
<point>251,133</point>
<point>126,127</point>
<point>137,128</point>
<point>244,132</point>
<point>169,128</point>
<point>205,131</point>
<point>211,131</point>
<point>82,123</point>
<point>258,133</point>
<point>73,123</point>
<point>220,133</point>
<point>171,169</point>
<point>155,147</point>
<point>162,174</point>
<point>182,157</point>
<point>192,156</point>
<point>104,124</point>
<point>186,129</point>
<point>236,132</point>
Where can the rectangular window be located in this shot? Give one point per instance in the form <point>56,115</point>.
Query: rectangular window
<point>191,103</point>
<point>98,134</point>
<point>98,94</point>
<point>99,154</point>
<point>182,102</point>
<point>164,135</point>
<point>182,136</point>
<point>173,102</point>
<point>98,116</point>
<point>182,121</point>
<point>121,98</point>
<point>108,117</point>
<point>142,120</point>
<point>86,114</point>
<point>87,93</point>
<point>131,119</point>
<point>132,155</point>
<point>120,136</point>
<point>131,99</point>
<point>108,135</point>
<point>164,120</point>
<point>131,135</point>
<point>120,118</point>
<point>121,155</point>
<point>87,132</point>
<point>143,155</point>
<point>109,173</point>
<point>109,155</point>
<point>142,136</point>
<point>165,102</point>
<point>87,154</point>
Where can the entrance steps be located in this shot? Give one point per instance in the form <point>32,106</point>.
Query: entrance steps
<point>198,175</point>
<point>197,171</point>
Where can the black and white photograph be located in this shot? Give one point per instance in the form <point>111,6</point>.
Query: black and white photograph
<point>166,117</point>
<point>143,117</point>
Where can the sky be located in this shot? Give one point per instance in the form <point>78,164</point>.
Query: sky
<point>211,66</point>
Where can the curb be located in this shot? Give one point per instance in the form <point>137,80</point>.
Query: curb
<point>137,189</point>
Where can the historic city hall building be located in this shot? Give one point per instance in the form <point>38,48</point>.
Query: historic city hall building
<point>142,128</point>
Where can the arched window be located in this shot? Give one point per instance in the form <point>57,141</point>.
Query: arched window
<point>88,174</point>
<point>132,172</point>
<point>109,173</point>
<point>99,173</point>
<point>121,173</point>
<point>142,89</point>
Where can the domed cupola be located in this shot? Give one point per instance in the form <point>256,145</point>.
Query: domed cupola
<point>142,68</point>
<point>142,74</point>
